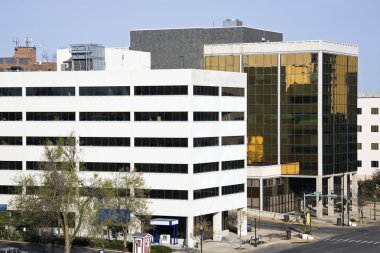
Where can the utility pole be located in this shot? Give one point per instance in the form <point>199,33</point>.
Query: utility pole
<point>255,234</point>
<point>342,206</point>
<point>201,238</point>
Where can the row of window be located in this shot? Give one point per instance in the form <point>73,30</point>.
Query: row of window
<point>10,92</point>
<point>374,110</point>
<point>374,146</point>
<point>231,189</point>
<point>10,116</point>
<point>140,167</point>
<point>50,116</point>
<point>155,193</point>
<point>161,142</point>
<point>105,141</point>
<point>39,140</point>
<point>161,168</point>
<point>104,116</point>
<point>205,167</point>
<point>168,194</point>
<point>122,91</point>
<point>374,128</point>
<point>104,167</point>
<point>50,91</point>
<point>206,116</point>
<point>161,116</point>
<point>124,142</point>
<point>10,165</point>
<point>374,164</point>
<point>104,91</point>
<point>120,116</point>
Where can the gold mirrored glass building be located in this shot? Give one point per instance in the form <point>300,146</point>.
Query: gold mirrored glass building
<point>301,117</point>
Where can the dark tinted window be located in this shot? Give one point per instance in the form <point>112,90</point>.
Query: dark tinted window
<point>105,167</point>
<point>104,116</point>
<point>167,194</point>
<point>205,167</point>
<point>50,116</point>
<point>234,164</point>
<point>359,111</point>
<point>374,164</point>
<point>160,90</point>
<point>160,116</point>
<point>206,116</point>
<point>10,165</point>
<point>233,92</point>
<point>105,141</point>
<point>50,91</point>
<point>206,193</point>
<point>206,90</point>
<point>38,140</point>
<point>104,91</point>
<point>9,189</point>
<point>11,140</point>
<point>160,142</point>
<point>10,92</point>
<point>206,141</point>
<point>10,116</point>
<point>161,168</point>
<point>226,116</point>
<point>232,140</point>
<point>38,165</point>
<point>231,189</point>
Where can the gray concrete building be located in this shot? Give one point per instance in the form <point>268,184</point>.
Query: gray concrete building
<point>183,48</point>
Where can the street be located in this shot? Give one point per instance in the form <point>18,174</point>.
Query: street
<point>345,240</point>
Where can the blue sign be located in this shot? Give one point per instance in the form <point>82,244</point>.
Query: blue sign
<point>3,208</point>
<point>118,215</point>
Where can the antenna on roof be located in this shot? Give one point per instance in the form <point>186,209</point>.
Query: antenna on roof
<point>16,41</point>
<point>28,41</point>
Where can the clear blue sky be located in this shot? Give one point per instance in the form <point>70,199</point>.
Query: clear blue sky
<point>56,24</point>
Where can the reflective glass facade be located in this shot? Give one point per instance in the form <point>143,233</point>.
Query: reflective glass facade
<point>339,113</point>
<point>230,63</point>
<point>262,74</point>
<point>299,113</point>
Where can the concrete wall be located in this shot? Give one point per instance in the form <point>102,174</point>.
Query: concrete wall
<point>183,48</point>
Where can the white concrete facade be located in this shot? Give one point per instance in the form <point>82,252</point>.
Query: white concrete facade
<point>368,134</point>
<point>117,58</point>
<point>159,129</point>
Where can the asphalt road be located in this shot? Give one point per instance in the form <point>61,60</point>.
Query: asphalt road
<point>347,240</point>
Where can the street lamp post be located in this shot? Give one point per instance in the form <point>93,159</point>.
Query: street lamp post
<point>201,238</point>
<point>255,233</point>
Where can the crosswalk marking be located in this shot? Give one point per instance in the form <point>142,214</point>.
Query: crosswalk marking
<point>342,240</point>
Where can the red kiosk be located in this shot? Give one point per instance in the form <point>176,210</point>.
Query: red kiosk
<point>141,242</point>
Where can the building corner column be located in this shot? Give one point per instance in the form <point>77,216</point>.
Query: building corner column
<point>190,239</point>
<point>217,226</point>
<point>354,188</point>
<point>330,190</point>
<point>261,194</point>
<point>242,221</point>
<point>319,198</point>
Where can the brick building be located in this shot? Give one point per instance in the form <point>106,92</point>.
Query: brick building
<point>25,59</point>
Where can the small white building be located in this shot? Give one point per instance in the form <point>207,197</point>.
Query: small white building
<point>368,134</point>
<point>184,129</point>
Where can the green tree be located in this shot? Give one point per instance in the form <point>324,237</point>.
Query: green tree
<point>57,196</point>
<point>126,203</point>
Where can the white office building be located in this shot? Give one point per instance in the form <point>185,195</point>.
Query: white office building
<point>184,129</point>
<point>368,134</point>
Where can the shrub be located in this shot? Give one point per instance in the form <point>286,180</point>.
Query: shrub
<point>160,249</point>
